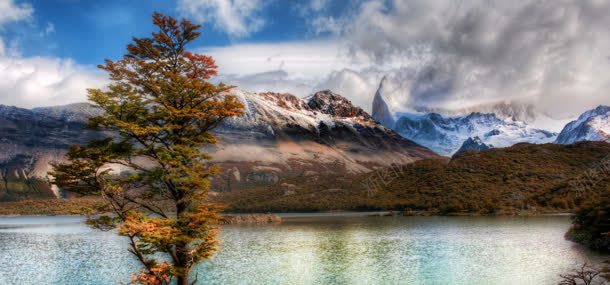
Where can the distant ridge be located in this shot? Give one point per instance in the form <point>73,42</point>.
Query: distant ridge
<point>592,125</point>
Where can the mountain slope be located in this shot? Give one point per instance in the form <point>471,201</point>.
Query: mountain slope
<point>523,178</point>
<point>279,136</point>
<point>593,125</point>
<point>29,140</point>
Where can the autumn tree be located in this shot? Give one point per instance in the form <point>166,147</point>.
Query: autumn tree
<point>158,113</point>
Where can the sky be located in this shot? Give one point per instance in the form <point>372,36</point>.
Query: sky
<point>444,54</point>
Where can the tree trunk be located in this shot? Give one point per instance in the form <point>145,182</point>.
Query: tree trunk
<point>185,269</point>
<point>183,279</point>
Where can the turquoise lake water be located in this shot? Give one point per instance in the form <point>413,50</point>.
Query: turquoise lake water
<point>337,249</point>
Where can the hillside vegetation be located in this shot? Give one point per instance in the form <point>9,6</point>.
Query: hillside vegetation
<point>524,178</point>
<point>53,207</point>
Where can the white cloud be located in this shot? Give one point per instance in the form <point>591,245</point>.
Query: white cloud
<point>12,12</point>
<point>441,54</point>
<point>446,54</point>
<point>323,24</point>
<point>357,86</point>
<point>312,59</point>
<point>552,53</point>
<point>238,18</point>
<point>38,81</point>
<point>300,68</point>
<point>275,81</point>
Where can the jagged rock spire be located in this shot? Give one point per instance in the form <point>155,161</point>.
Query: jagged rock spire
<point>381,111</point>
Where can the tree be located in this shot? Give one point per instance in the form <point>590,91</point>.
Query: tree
<point>585,275</point>
<point>591,224</point>
<point>158,113</point>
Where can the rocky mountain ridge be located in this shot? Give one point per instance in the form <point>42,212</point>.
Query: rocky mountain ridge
<point>279,135</point>
<point>282,135</point>
<point>474,143</point>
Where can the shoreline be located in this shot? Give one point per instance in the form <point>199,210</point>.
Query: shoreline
<point>92,205</point>
<point>347,214</point>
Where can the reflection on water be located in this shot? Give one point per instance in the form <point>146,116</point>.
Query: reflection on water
<point>311,250</point>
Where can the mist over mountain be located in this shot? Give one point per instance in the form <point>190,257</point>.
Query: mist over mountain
<point>448,132</point>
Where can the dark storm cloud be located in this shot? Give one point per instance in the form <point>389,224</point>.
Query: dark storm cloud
<point>543,51</point>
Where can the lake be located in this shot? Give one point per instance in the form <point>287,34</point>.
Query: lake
<point>311,249</point>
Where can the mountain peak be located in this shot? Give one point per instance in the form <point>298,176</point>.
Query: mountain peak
<point>381,111</point>
<point>599,110</point>
<point>592,125</point>
<point>328,102</point>
<point>474,143</point>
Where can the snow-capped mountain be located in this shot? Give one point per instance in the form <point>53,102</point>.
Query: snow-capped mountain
<point>446,134</point>
<point>323,133</point>
<point>279,135</point>
<point>592,125</point>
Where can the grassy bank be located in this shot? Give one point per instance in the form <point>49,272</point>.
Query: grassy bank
<point>52,207</point>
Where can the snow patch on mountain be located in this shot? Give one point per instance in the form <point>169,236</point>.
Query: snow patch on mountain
<point>592,125</point>
<point>271,113</point>
<point>76,112</point>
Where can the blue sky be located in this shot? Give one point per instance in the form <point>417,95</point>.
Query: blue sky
<point>553,54</point>
<point>86,31</point>
<point>89,31</point>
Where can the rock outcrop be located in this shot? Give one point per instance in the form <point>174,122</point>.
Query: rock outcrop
<point>381,111</point>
